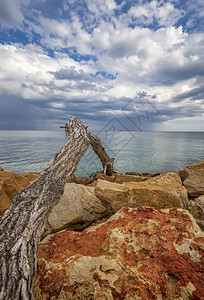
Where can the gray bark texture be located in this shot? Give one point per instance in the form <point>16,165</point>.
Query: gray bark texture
<point>22,225</point>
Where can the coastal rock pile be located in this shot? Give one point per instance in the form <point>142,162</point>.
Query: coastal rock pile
<point>161,191</point>
<point>80,205</point>
<point>142,242</point>
<point>138,253</point>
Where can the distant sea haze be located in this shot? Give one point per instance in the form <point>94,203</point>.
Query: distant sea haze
<point>30,151</point>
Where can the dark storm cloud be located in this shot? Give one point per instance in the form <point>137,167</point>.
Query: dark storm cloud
<point>194,94</point>
<point>16,113</point>
<point>169,74</point>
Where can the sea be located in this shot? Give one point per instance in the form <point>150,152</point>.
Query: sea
<point>152,152</point>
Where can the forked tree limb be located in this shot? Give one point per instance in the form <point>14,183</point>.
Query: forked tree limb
<point>23,223</point>
<point>100,151</point>
<point>98,148</point>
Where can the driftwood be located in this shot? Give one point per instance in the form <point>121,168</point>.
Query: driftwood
<point>23,223</point>
<point>98,148</point>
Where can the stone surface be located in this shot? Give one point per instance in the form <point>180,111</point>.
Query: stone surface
<point>31,176</point>
<point>162,191</point>
<point>193,178</point>
<point>170,177</point>
<point>1,169</point>
<point>77,208</point>
<point>11,184</point>
<point>158,195</point>
<point>4,199</point>
<point>197,211</point>
<point>137,254</point>
<point>122,178</point>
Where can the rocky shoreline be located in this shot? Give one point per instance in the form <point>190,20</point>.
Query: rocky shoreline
<point>133,236</point>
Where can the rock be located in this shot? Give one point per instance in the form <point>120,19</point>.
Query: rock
<point>31,176</point>
<point>133,173</point>
<point>197,211</point>
<point>71,178</point>
<point>193,178</point>
<point>84,180</point>
<point>137,254</point>
<point>113,195</point>
<point>122,178</point>
<point>169,178</point>
<point>77,208</point>
<point>1,169</point>
<point>11,184</point>
<point>4,199</point>
<point>159,195</point>
<point>162,191</point>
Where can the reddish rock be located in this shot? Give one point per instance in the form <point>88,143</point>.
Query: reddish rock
<point>137,254</point>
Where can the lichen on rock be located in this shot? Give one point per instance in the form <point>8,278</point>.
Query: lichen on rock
<point>139,253</point>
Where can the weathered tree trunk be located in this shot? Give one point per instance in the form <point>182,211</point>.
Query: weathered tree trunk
<point>98,148</point>
<point>23,223</point>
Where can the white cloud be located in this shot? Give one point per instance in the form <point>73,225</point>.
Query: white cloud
<point>101,7</point>
<point>160,61</point>
<point>162,12</point>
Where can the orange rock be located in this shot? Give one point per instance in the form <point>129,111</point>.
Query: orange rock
<point>4,199</point>
<point>137,254</point>
<point>31,176</point>
<point>11,184</point>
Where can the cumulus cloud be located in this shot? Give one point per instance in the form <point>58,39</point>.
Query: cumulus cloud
<point>96,60</point>
<point>164,13</point>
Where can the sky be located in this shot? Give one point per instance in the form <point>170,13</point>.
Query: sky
<point>116,65</point>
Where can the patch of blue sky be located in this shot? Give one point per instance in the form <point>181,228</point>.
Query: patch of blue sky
<point>105,75</point>
<point>8,36</point>
<point>49,8</point>
<point>72,53</point>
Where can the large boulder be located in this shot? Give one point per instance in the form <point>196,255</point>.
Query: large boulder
<point>162,191</point>
<point>77,208</point>
<point>11,184</point>
<point>197,211</point>
<point>137,254</point>
<point>193,178</point>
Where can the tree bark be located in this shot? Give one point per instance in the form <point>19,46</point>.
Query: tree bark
<point>98,148</point>
<point>23,223</point>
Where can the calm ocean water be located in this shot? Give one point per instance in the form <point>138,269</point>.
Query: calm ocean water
<point>27,151</point>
